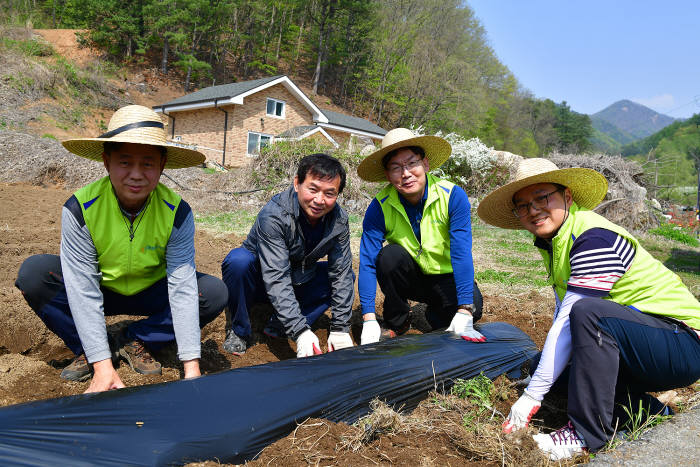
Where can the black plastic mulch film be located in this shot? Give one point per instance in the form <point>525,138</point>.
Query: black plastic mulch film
<point>231,416</point>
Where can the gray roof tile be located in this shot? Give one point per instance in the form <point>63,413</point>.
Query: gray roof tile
<point>357,123</point>
<point>220,91</point>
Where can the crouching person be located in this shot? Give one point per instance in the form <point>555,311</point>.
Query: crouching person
<point>127,247</point>
<point>426,223</point>
<point>279,263</point>
<point>624,324</point>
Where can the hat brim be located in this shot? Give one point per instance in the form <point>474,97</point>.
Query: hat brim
<point>92,148</point>
<point>588,188</point>
<point>437,151</point>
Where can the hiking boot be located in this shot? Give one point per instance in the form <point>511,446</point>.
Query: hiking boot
<point>561,444</point>
<point>77,370</point>
<point>234,344</point>
<point>139,359</point>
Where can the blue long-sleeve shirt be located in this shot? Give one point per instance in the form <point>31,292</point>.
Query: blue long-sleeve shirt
<point>374,233</point>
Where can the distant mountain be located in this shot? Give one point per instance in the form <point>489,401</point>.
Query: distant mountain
<point>631,120</point>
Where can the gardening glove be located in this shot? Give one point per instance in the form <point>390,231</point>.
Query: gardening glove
<point>370,332</point>
<point>339,340</point>
<point>521,413</point>
<point>307,344</point>
<point>463,325</point>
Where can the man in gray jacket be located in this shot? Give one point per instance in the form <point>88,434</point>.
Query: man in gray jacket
<point>279,263</point>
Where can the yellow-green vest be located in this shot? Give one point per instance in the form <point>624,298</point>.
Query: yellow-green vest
<point>647,286</point>
<point>432,253</point>
<point>128,266</point>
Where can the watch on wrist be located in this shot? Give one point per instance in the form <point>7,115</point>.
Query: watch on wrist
<point>469,308</point>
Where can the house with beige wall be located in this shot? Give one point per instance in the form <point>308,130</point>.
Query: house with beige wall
<point>229,123</point>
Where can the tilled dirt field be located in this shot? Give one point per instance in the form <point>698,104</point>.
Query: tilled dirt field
<point>31,357</point>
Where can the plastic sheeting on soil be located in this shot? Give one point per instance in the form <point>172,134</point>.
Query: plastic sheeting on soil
<point>231,416</point>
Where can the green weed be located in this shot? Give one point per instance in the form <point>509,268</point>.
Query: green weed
<point>30,48</point>
<point>677,233</point>
<point>478,390</point>
<point>510,278</point>
<point>238,222</point>
<point>48,135</point>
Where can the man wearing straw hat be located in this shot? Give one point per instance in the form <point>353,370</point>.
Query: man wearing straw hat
<point>127,247</point>
<point>623,324</point>
<point>427,224</point>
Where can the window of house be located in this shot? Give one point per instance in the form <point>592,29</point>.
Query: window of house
<point>257,141</point>
<point>275,108</point>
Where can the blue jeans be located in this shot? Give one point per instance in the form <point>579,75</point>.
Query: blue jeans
<point>41,281</point>
<point>241,273</point>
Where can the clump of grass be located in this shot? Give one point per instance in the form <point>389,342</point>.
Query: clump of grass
<point>28,47</point>
<point>383,419</point>
<point>238,222</point>
<point>677,233</point>
<point>510,278</point>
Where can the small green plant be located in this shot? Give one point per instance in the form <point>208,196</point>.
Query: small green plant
<point>640,420</point>
<point>677,233</point>
<point>478,390</point>
<point>48,135</point>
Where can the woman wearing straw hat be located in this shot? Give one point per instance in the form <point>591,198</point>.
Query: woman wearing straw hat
<point>427,224</point>
<point>623,323</point>
<point>127,247</point>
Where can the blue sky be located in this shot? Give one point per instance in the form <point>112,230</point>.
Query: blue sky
<point>591,53</point>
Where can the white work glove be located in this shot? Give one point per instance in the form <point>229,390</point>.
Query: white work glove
<point>463,325</point>
<point>521,413</point>
<point>307,344</point>
<point>339,340</point>
<point>370,332</point>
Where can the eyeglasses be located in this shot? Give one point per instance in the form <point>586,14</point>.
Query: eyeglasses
<point>540,202</point>
<point>396,169</point>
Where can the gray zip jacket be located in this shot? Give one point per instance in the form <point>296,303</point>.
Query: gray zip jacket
<point>277,240</point>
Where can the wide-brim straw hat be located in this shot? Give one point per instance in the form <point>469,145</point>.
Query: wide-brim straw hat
<point>140,125</point>
<point>437,151</point>
<point>588,188</point>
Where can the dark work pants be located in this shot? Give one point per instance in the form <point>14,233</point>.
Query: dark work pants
<point>618,354</point>
<point>41,281</point>
<point>401,279</point>
<point>241,273</point>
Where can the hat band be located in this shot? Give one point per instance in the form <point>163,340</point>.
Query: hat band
<point>131,126</point>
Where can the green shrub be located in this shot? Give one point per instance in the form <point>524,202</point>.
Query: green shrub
<point>30,48</point>
<point>676,232</point>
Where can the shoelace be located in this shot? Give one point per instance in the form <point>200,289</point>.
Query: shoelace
<point>565,435</point>
<point>141,351</point>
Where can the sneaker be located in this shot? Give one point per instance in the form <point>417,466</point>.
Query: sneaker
<point>274,332</point>
<point>388,333</point>
<point>561,444</point>
<point>234,344</point>
<point>77,370</point>
<point>139,359</point>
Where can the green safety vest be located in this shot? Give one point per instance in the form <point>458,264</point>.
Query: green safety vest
<point>128,266</point>
<point>432,253</point>
<point>647,286</point>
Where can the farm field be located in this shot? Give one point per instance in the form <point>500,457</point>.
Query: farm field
<point>437,433</point>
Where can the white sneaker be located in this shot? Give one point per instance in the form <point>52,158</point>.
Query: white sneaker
<point>561,444</point>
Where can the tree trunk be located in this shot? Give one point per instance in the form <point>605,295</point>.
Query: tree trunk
<point>319,56</point>
<point>164,60</point>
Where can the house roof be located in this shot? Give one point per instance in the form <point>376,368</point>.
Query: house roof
<point>235,93</point>
<point>221,91</point>
<point>356,123</point>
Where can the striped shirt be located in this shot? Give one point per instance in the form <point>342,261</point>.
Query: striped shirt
<point>598,257</point>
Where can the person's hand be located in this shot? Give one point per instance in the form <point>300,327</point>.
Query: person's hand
<point>307,344</point>
<point>192,368</point>
<point>339,340</point>
<point>521,413</point>
<point>371,332</point>
<point>105,377</point>
<point>463,325</point>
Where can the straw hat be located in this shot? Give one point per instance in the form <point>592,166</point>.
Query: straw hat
<point>437,151</point>
<point>587,186</point>
<point>135,124</point>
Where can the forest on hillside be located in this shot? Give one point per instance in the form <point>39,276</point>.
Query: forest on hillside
<point>419,63</point>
